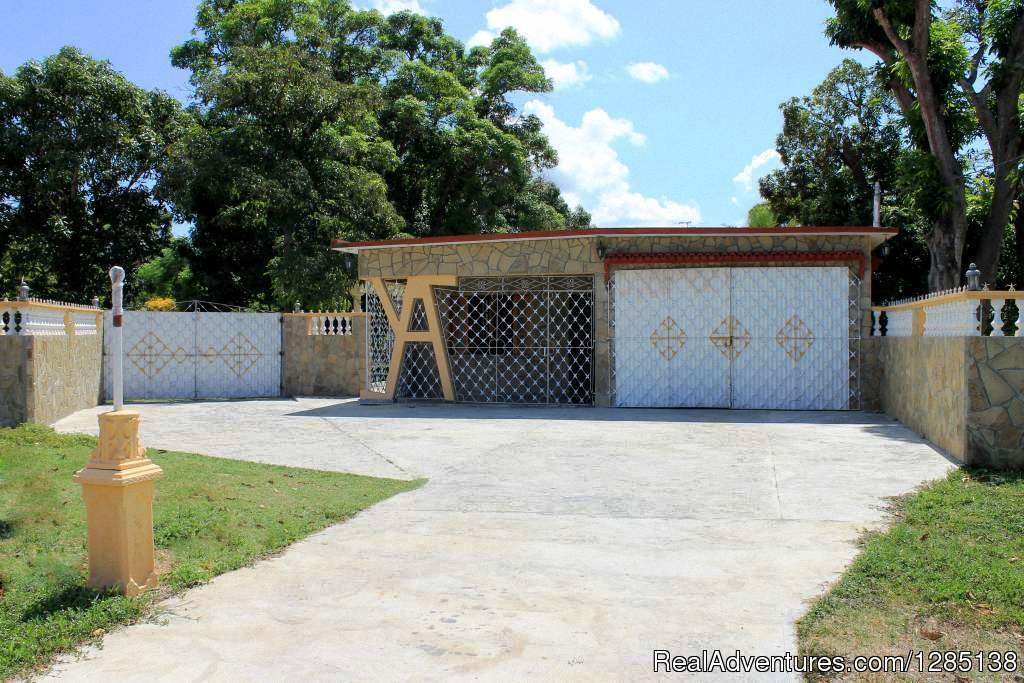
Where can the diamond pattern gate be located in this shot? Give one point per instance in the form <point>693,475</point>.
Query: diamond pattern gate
<point>198,355</point>
<point>520,339</point>
<point>757,337</point>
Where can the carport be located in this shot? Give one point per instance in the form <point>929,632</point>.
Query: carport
<point>632,317</point>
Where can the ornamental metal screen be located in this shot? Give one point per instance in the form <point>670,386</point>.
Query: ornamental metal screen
<point>380,341</point>
<point>520,339</point>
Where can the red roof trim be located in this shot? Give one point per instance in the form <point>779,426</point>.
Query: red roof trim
<point>729,258</point>
<point>340,244</point>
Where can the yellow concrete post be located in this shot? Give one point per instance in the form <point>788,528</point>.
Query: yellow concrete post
<point>117,485</point>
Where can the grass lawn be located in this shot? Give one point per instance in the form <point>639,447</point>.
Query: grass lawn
<point>949,575</point>
<point>211,515</point>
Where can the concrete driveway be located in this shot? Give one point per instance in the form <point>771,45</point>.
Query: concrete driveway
<point>548,543</point>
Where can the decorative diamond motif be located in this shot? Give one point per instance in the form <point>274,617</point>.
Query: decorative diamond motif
<point>731,338</point>
<point>795,338</point>
<point>151,355</point>
<point>239,354</point>
<point>668,338</point>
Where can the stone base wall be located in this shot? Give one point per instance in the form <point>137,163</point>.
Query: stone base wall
<point>321,365</point>
<point>922,384</point>
<point>995,401</point>
<point>13,380</point>
<point>964,394</point>
<point>44,378</point>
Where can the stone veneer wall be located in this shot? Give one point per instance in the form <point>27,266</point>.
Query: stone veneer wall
<point>44,378</point>
<point>13,380</point>
<point>922,383</point>
<point>995,401</point>
<point>964,394</point>
<point>321,365</point>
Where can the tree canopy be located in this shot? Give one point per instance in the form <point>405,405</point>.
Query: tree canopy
<point>80,150</point>
<point>316,121</point>
<point>955,72</point>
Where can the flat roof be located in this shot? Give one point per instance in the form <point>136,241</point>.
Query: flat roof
<point>354,247</point>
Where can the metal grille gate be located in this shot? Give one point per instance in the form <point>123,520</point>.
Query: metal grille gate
<point>197,355</point>
<point>520,339</point>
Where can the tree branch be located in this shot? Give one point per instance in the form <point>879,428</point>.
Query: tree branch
<point>877,49</point>
<point>921,35</point>
<point>972,74</point>
<point>901,45</point>
<point>979,100</point>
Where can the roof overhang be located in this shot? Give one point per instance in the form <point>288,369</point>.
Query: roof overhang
<point>877,235</point>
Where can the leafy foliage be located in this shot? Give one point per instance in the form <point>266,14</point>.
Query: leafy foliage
<point>956,71</point>
<point>318,121</point>
<point>762,216</point>
<point>168,276</point>
<point>80,149</point>
<point>835,144</point>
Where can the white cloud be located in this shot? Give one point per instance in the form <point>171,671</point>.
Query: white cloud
<point>480,38</point>
<point>386,7</point>
<point>759,161</point>
<point>648,72</point>
<point>596,177</point>
<point>550,24</point>
<point>566,74</point>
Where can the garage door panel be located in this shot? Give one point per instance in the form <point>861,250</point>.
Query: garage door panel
<point>663,356</point>
<point>772,337</point>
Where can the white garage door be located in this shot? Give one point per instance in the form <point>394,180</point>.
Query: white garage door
<point>733,337</point>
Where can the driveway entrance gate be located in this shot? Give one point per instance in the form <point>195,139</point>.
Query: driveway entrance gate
<point>197,355</point>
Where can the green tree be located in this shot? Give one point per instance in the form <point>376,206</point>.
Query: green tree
<point>954,74</point>
<point>319,121</point>
<point>168,275</point>
<point>834,145</point>
<point>762,216</point>
<point>80,150</point>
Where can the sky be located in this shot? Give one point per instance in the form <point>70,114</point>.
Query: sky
<point>664,111</point>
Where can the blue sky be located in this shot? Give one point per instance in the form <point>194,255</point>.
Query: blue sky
<point>664,110</point>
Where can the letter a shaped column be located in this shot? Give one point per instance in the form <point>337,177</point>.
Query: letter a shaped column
<point>117,485</point>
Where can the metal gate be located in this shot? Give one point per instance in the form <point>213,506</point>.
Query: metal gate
<point>520,339</point>
<point>197,355</point>
<point>757,337</point>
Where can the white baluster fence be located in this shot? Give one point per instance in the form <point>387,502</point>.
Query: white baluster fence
<point>957,312</point>
<point>330,323</point>
<point>44,317</point>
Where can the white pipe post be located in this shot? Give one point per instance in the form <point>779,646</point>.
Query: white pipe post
<point>876,209</point>
<point>117,356</point>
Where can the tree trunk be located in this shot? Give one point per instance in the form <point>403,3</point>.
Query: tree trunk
<point>1018,229</point>
<point>990,246</point>
<point>944,272</point>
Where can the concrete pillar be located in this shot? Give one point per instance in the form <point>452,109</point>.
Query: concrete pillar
<point>117,485</point>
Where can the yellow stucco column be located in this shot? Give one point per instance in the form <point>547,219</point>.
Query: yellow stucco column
<point>117,485</point>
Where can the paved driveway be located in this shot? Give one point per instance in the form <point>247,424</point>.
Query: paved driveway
<point>548,543</point>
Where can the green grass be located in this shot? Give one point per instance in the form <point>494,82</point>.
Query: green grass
<point>211,516</point>
<point>949,575</point>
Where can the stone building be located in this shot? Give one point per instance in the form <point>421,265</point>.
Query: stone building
<point>632,317</point>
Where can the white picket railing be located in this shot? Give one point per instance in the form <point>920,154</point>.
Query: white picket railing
<point>956,312</point>
<point>330,323</point>
<point>43,317</point>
